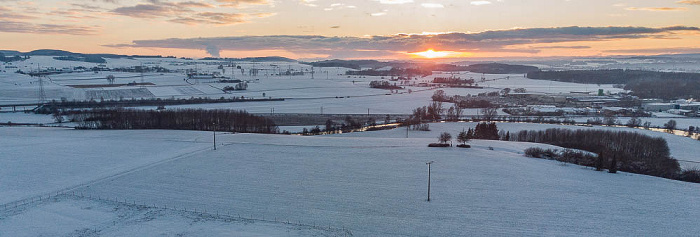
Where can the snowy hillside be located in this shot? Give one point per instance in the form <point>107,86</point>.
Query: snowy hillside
<point>59,181</point>
<point>682,148</point>
<point>329,88</point>
<point>372,184</point>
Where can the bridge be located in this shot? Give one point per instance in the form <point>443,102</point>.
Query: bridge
<point>14,106</point>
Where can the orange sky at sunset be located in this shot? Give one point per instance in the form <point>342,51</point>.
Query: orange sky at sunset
<point>380,29</point>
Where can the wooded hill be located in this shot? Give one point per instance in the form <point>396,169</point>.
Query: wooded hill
<point>645,84</point>
<point>499,68</point>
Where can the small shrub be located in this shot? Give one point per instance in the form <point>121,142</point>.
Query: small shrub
<point>438,145</point>
<point>534,152</point>
<point>566,155</point>
<point>380,128</point>
<point>464,146</point>
<point>690,175</point>
<point>422,127</point>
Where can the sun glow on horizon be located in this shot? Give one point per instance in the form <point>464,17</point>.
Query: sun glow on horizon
<point>430,53</point>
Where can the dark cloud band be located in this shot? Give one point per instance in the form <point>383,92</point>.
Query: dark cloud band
<point>487,41</point>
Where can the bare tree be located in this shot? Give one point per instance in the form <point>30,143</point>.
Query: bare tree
<point>110,79</point>
<point>489,113</point>
<point>609,120</point>
<point>445,137</point>
<point>439,95</point>
<point>58,117</point>
<point>670,125</point>
<point>434,111</point>
<point>458,111</point>
<point>634,122</point>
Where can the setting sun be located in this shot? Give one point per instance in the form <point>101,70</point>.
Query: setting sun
<point>430,53</point>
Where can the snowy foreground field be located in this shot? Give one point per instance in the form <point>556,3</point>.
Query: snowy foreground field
<point>361,184</point>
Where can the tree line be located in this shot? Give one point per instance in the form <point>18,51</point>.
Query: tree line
<point>499,68</point>
<point>55,105</point>
<point>609,76</point>
<point>645,84</point>
<point>384,85</point>
<point>6,59</point>
<point>625,151</point>
<point>453,80</point>
<point>484,131</point>
<point>178,119</point>
<point>675,88</point>
<point>409,72</point>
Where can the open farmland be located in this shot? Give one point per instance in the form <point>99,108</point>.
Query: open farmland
<point>329,88</point>
<point>369,183</point>
<point>66,182</point>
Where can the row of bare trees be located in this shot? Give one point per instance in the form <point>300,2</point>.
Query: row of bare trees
<point>626,151</point>
<point>54,105</point>
<point>435,112</point>
<point>180,119</point>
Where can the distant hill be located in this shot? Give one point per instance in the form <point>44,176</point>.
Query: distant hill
<point>499,68</point>
<point>255,59</point>
<point>670,56</point>
<point>100,58</point>
<point>372,66</point>
<point>610,76</point>
<point>50,52</point>
<point>9,53</point>
<point>352,64</point>
<point>267,59</point>
<point>71,56</point>
<point>86,58</point>
<point>645,84</point>
<point>63,53</point>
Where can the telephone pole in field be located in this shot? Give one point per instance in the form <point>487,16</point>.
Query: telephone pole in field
<point>429,171</point>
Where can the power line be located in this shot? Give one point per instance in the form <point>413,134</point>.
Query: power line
<point>697,162</point>
<point>42,92</point>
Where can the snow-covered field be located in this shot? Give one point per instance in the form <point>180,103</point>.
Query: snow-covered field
<point>373,184</point>
<point>682,148</point>
<point>43,160</point>
<point>73,216</point>
<point>305,95</point>
<point>364,184</point>
<point>21,117</point>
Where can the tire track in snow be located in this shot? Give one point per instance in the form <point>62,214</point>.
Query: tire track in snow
<point>21,202</point>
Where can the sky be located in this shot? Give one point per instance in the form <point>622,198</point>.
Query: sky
<point>354,29</point>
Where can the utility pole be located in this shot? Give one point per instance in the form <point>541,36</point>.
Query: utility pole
<point>429,171</point>
<point>407,126</point>
<point>214,136</point>
<point>142,82</point>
